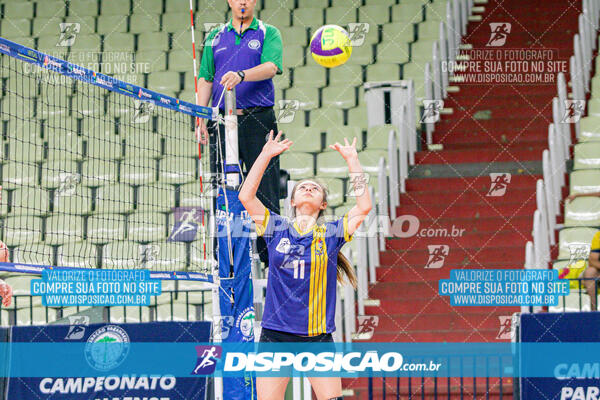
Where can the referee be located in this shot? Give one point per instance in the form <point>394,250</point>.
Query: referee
<point>246,54</point>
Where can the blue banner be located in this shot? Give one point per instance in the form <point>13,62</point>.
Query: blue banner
<point>576,375</point>
<point>96,361</point>
<point>236,294</point>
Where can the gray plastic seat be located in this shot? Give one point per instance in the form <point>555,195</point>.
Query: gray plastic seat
<point>158,197</point>
<point>116,198</point>
<point>30,201</point>
<point>62,229</point>
<point>79,255</point>
<point>40,254</point>
<point>97,172</point>
<point>109,24</point>
<point>21,230</point>
<point>105,228</point>
<point>138,171</point>
<point>177,170</point>
<point>146,227</point>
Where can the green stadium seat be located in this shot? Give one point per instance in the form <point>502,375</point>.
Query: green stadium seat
<point>324,118</point>
<point>289,119</point>
<point>311,17</point>
<point>122,42</point>
<point>26,41</point>
<point>309,76</point>
<point>153,41</point>
<point>157,197</point>
<point>25,150</point>
<point>171,22</point>
<point>86,25</point>
<point>594,104</point>
<point>141,144</point>
<point>298,165</point>
<point>166,256</point>
<point>361,55</point>
<point>179,6</point>
<point>378,136</point>
<point>23,88</point>
<point>339,97</point>
<point>584,181</point>
<point>307,97</point>
<point>340,15</point>
<point>105,228</point>
<point>306,140</point>
<point>197,259</point>
<point>181,147</point>
<point>377,2</point>
<point>148,7</point>
<point>109,24</point>
<point>21,230</point>
<point>338,133</point>
<point>435,11</point>
<point>59,172</point>
<point>590,129</point>
<point>62,229</point>
<point>67,311</point>
<point>572,240</point>
<point>312,3</point>
<point>35,316</point>
<point>383,72</point>
<point>83,8</point>
<point>180,60</point>
<point>168,295</point>
<point>392,52</point>
<point>282,81</point>
<point>190,194</point>
<point>115,7</point>
<point>176,312</point>
<point>288,4</point>
<point>138,170</point>
<point>293,56</point>
<point>331,164</point>
<point>30,201</point>
<point>90,105</point>
<point>4,318</point>
<point>129,314</point>
<point>377,14</point>
<point>166,81</point>
<point>47,27</point>
<point>346,75</point>
<point>421,52</point>
<point>13,10</point>
<point>84,43</point>
<point>397,32</point>
<point>121,255</point>
<point>16,28</point>
<point>155,59</point>
<point>40,254</point>
<point>429,30</point>
<point>49,9</point>
<point>52,107</point>
<point>408,12</point>
<point>584,211</point>
<point>177,170</point>
<point>190,292</point>
<point>79,203</point>
<point>79,255</point>
<point>587,155</point>
<point>18,174</point>
<point>109,147</point>
<point>116,198</point>
<point>98,172</point>
<point>279,17</point>
<point>47,45</point>
<point>335,192</point>
<point>294,35</point>
<point>146,227</point>
<point>65,146</point>
<point>3,208</point>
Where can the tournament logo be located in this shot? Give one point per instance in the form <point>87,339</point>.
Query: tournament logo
<point>107,347</point>
<point>207,359</point>
<point>245,323</point>
<point>254,44</point>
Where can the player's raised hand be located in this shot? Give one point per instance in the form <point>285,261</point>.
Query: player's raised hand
<point>274,147</point>
<point>348,151</point>
<point>6,293</point>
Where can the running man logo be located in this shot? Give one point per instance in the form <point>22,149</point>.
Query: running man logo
<point>207,359</point>
<point>358,32</point>
<point>500,31</point>
<point>366,327</point>
<point>68,184</point>
<point>77,324</point>
<point>506,332</point>
<point>142,111</point>
<point>358,183</point>
<point>187,222</point>
<point>209,26</point>
<point>68,34</point>
<point>437,255</point>
<point>579,252</point>
<point>573,111</point>
<point>499,184</point>
<point>431,111</point>
<point>222,325</point>
<point>148,254</point>
<point>287,111</point>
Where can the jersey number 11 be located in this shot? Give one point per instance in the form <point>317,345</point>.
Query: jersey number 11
<point>299,267</point>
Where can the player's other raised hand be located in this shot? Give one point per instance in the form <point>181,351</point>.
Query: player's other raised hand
<point>348,151</point>
<point>274,147</point>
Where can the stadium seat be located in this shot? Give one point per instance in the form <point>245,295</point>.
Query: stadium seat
<point>191,292</point>
<point>346,75</point>
<point>375,14</point>
<point>287,4</point>
<point>335,193</point>
<point>115,198</point>
<point>421,53</point>
<point>146,227</point>
<point>80,255</point>
<point>435,11</point>
<point>584,211</point>
<point>24,150</point>
<point>114,7</point>
<point>50,8</point>
<point>129,314</point>
<point>35,316</point>
<point>61,229</point>
<point>324,118</point>
<point>106,228</point>
<point>357,116</point>
<point>584,181</point>
<point>305,139</point>
<point>141,143</point>
<point>182,148</point>
<point>307,97</point>
<point>30,201</point>
<point>109,24</point>
<point>83,8</point>
<point>279,17</point>
<point>84,43</point>
<point>190,194</point>
<point>179,6</point>
<point>343,97</point>
<point>16,28</point>
<point>294,35</point>
<point>197,259</point>
<point>590,129</point>
<point>408,12</point>
<point>47,45</point>
<point>340,15</point>
<point>165,256</point>
<point>153,41</point>
<point>121,254</point>
<point>587,155</point>
<point>177,170</point>
<point>77,203</point>
<point>98,172</point>
<point>157,197</point>
<point>311,17</point>
<point>13,10</point>
<point>19,174</point>
<point>392,52</point>
<point>293,56</point>
<point>164,81</point>
<point>46,27</point>
<point>21,230</point>
<point>180,60</point>
<point>337,134</point>
<point>298,165</point>
<point>80,25</point>
<point>378,137</point>
<point>35,253</point>
<point>121,42</point>
<point>65,146</point>
<point>575,242</point>
<point>176,312</point>
<point>138,171</point>
<point>108,147</point>
<point>282,81</point>
<point>382,72</point>
<point>311,3</point>
<point>309,76</point>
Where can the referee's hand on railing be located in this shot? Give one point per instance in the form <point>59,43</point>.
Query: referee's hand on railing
<point>202,131</point>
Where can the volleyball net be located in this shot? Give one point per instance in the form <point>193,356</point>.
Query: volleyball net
<point>97,172</point>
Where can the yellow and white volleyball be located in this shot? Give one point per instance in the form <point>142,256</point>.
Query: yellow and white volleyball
<point>330,46</point>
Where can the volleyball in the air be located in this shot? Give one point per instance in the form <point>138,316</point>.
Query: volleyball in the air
<point>330,46</point>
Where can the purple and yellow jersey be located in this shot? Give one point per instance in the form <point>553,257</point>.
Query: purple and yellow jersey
<point>595,247</point>
<point>302,274</point>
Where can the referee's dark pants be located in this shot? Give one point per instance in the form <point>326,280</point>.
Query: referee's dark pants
<point>253,130</point>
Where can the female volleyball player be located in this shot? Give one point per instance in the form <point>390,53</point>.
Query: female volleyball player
<point>5,289</point>
<point>305,261</point>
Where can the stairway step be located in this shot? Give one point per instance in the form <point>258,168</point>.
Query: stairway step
<point>466,240</point>
<point>469,210</point>
<point>468,195</point>
<point>418,273</point>
<point>449,320</point>
<point>516,181</point>
<point>512,255</point>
